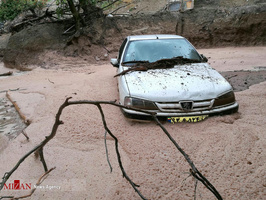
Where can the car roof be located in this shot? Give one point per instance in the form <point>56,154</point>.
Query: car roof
<point>153,37</point>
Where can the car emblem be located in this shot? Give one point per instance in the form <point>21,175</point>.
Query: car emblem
<point>187,105</point>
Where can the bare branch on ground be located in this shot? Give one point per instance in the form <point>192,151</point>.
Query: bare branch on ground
<point>39,148</point>
<point>12,90</point>
<point>120,8</point>
<point>22,116</point>
<point>106,151</point>
<point>7,73</point>
<point>25,134</point>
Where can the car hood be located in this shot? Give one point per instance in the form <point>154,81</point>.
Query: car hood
<point>183,82</point>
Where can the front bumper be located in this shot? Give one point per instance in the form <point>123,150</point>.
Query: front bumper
<point>222,110</point>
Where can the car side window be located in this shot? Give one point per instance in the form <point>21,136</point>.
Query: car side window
<point>121,49</point>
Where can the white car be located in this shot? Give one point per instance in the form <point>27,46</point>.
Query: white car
<point>188,88</point>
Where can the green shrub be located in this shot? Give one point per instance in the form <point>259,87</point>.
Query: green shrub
<point>9,9</point>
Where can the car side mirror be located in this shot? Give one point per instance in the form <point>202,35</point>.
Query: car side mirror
<point>114,62</point>
<point>204,58</point>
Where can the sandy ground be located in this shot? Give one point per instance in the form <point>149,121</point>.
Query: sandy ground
<point>228,150</point>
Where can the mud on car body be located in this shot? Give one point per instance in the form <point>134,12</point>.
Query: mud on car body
<point>188,88</point>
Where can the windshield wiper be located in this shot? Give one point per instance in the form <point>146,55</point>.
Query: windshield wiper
<point>135,61</point>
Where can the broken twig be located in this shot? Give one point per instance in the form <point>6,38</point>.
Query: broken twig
<point>119,8</point>
<point>106,151</point>
<point>25,134</point>
<point>12,90</point>
<point>7,73</point>
<point>50,81</point>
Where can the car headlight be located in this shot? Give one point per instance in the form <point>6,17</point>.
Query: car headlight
<point>225,99</point>
<point>139,103</point>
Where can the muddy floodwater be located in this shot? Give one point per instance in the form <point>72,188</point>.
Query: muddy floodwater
<point>228,150</point>
<point>10,123</point>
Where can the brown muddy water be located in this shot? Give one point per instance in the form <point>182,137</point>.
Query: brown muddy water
<point>10,123</point>
<point>243,79</point>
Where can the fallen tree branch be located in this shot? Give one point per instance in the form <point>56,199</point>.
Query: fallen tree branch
<point>110,4</point>
<point>12,90</point>
<point>119,8</point>
<point>22,116</point>
<point>39,146</point>
<point>159,64</point>
<point>118,154</point>
<point>25,134</point>
<point>7,73</point>
<point>6,197</point>
<point>193,171</point>
<point>42,159</point>
<point>141,10</point>
<point>30,21</point>
<point>106,151</point>
<point>195,189</point>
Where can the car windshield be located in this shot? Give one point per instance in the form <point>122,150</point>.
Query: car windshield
<point>157,49</point>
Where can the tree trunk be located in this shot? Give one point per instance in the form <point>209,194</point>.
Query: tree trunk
<point>75,14</point>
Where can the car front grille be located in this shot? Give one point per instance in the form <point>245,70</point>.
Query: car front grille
<point>177,106</point>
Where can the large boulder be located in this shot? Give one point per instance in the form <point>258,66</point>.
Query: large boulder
<point>3,43</point>
<point>24,47</point>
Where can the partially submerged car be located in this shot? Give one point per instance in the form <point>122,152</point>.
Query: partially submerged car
<point>165,74</point>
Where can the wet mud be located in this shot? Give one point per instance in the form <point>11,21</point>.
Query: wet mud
<point>10,123</point>
<point>242,80</point>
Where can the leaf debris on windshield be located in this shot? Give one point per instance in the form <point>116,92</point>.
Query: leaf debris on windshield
<point>159,64</point>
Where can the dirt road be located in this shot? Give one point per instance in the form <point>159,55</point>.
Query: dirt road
<point>228,150</point>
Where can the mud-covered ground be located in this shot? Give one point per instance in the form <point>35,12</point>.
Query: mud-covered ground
<point>228,150</point>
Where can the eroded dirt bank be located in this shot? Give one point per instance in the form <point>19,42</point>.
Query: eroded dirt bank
<point>209,24</point>
<point>228,150</point>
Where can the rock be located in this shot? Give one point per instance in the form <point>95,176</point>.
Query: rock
<point>25,46</point>
<point>97,58</point>
<point>3,43</point>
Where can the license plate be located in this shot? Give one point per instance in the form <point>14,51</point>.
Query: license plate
<point>191,119</point>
